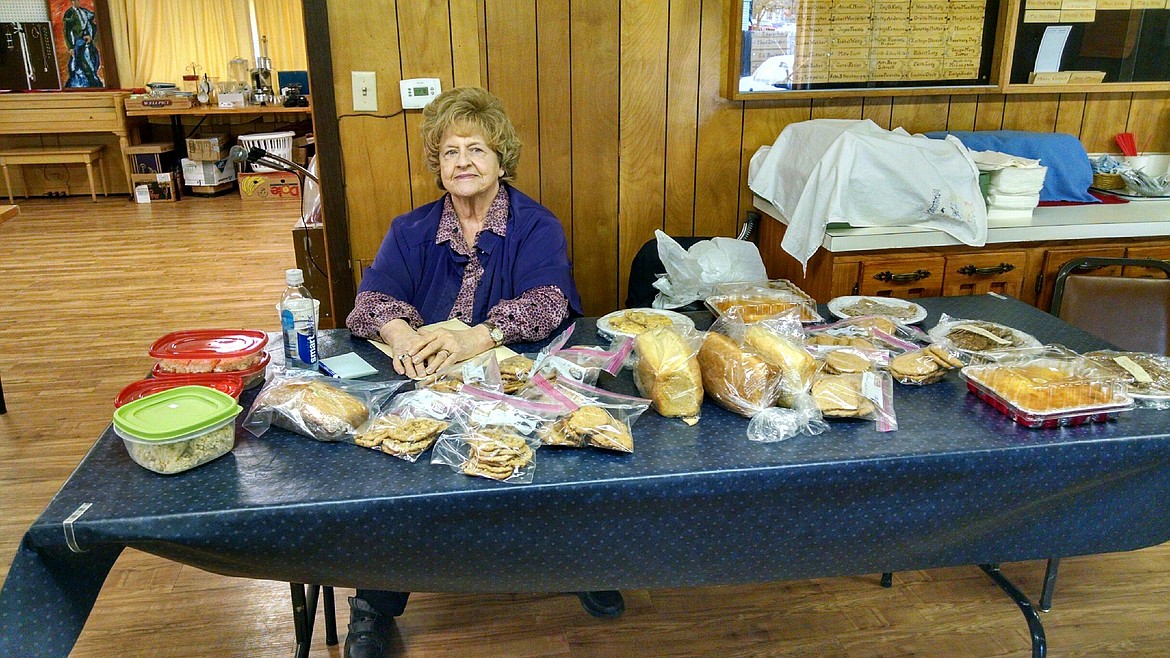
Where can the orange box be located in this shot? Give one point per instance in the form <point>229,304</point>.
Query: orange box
<point>269,186</point>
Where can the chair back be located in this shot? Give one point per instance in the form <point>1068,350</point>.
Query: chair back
<point>1132,313</point>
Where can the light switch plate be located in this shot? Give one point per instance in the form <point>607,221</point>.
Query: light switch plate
<point>417,92</point>
<point>365,91</point>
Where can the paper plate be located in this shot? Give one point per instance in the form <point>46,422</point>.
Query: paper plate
<point>912,312</point>
<point>606,328</point>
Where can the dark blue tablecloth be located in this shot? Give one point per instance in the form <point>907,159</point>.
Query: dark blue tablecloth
<point>958,483</point>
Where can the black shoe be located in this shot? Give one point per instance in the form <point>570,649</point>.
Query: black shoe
<point>368,631</point>
<point>604,604</point>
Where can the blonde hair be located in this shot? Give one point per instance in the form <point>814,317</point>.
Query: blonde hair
<point>476,108</point>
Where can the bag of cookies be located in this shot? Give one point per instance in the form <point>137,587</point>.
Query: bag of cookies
<point>316,406</point>
<point>482,370</point>
<point>596,418</point>
<point>410,424</point>
<point>878,338</point>
<point>666,370</point>
<point>1150,373</point>
<point>923,366</point>
<point>495,435</point>
<point>867,395</point>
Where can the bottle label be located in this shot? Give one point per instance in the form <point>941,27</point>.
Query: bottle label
<point>300,333</point>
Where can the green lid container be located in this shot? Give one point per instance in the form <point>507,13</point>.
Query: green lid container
<point>177,414</point>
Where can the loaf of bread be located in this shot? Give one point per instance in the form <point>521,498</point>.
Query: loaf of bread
<point>1043,387</point>
<point>739,380</point>
<point>314,409</point>
<point>795,365</point>
<point>667,372</point>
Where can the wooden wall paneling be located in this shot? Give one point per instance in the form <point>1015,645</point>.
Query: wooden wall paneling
<point>720,125</point>
<point>682,94</point>
<point>424,29</point>
<point>1070,113</point>
<point>961,112</point>
<point>554,104</point>
<point>763,121</point>
<point>989,112</point>
<point>1149,121</point>
<point>511,48</point>
<point>878,109</point>
<point>919,114</point>
<point>642,130</point>
<point>836,108</point>
<point>370,144</point>
<point>468,43</point>
<point>1106,115</point>
<point>1031,112</point>
<point>595,35</point>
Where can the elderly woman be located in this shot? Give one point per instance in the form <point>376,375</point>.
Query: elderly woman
<point>485,253</point>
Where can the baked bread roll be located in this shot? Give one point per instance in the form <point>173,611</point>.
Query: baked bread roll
<point>313,409</point>
<point>795,365</point>
<point>738,380</point>
<point>668,373</point>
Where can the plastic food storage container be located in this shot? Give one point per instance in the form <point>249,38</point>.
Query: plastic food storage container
<point>250,377</point>
<point>178,429</point>
<point>209,350</point>
<point>1049,387</point>
<point>227,382</point>
<point>756,302</point>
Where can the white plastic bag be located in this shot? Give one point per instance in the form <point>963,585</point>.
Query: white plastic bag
<point>693,274</point>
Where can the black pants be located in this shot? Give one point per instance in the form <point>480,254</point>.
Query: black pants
<point>388,604</point>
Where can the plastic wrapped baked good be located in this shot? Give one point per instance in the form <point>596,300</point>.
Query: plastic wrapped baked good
<point>1150,374</point>
<point>322,408</point>
<point>1048,381</point>
<point>410,424</point>
<point>786,355</point>
<point>596,417</point>
<point>666,370</point>
<point>739,380</point>
<point>978,337</point>
<point>923,366</point>
<point>866,395</point>
<point>760,301</point>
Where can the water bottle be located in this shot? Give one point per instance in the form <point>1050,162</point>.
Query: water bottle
<point>298,323</point>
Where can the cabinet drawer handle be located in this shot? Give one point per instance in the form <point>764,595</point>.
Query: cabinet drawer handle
<point>905,277</point>
<point>971,270</point>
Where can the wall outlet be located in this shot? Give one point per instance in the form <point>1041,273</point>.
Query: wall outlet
<point>365,91</point>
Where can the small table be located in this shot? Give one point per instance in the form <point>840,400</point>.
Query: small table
<point>86,155</point>
<point>177,115</point>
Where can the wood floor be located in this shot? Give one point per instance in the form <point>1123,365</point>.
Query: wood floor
<point>86,287</point>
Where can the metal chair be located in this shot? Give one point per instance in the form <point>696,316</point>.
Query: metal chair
<point>1133,313</point>
<point>646,266</point>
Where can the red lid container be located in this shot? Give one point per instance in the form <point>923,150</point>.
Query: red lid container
<point>229,383</point>
<point>250,376</point>
<point>209,344</point>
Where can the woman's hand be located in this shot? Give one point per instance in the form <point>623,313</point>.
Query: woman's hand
<point>443,347</point>
<point>403,341</point>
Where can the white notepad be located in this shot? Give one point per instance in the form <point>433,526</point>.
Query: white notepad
<point>347,366</point>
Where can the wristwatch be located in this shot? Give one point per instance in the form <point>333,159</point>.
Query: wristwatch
<point>495,333</point>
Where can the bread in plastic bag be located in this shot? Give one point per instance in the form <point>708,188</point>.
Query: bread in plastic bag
<point>748,368</point>
<point>411,423</point>
<point>666,370</point>
<point>316,406</point>
<point>495,436</point>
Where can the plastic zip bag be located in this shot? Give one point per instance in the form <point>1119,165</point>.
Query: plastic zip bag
<point>482,370</point>
<point>410,424</point>
<point>868,395</point>
<point>596,418</point>
<point>316,406</point>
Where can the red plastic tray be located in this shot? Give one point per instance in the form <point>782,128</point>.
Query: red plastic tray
<point>1035,421</point>
<point>209,344</point>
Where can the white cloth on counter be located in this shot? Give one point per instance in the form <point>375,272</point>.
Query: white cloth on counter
<point>993,160</point>
<point>995,200</point>
<point>837,170</point>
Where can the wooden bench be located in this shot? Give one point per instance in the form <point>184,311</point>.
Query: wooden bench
<point>86,155</point>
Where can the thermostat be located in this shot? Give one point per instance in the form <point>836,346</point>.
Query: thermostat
<point>417,92</point>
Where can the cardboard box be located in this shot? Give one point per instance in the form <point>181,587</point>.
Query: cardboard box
<point>154,158</point>
<point>270,186</point>
<point>212,190</point>
<point>199,172</point>
<point>208,147</point>
<point>157,188</point>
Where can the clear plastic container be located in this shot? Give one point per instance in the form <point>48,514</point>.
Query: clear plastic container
<point>209,350</point>
<point>229,383</point>
<point>178,429</point>
<point>760,301</point>
<point>1049,386</point>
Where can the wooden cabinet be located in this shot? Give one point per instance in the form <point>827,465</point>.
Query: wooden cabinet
<point>980,273</point>
<point>1159,252</point>
<point>914,275</point>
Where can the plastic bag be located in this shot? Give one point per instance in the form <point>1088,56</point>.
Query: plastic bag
<point>762,300</point>
<point>924,366</point>
<point>316,406</point>
<point>583,363</point>
<point>747,369</point>
<point>495,436</point>
<point>976,338</point>
<point>868,395</point>
<point>869,333</point>
<point>1150,374</point>
<point>666,370</point>
<point>410,424</point>
<point>692,274</point>
<point>596,417</point>
<point>482,370</point>
<point>779,423</point>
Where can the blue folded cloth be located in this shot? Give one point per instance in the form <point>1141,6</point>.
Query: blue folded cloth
<point>1069,172</point>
